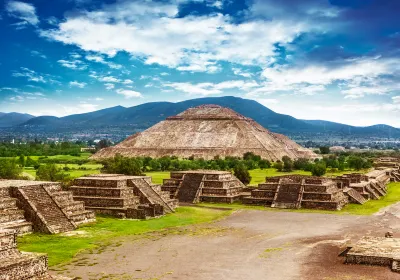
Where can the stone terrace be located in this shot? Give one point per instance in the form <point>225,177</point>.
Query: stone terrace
<point>15,265</point>
<point>203,185</point>
<point>296,191</point>
<point>123,196</point>
<point>43,206</point>
<point>380,251</point>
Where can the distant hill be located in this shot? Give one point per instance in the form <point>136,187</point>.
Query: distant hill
<point>145,115</point>
<point>12,119</point>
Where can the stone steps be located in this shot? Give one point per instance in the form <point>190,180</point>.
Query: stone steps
<point>190,187</point>
<point>354,196</point>
<point>146,190</point>
<point>378,189</point>
<point>81,217</point>
<point>7,202</point>
<point>10,215</point>
<point>54,218</point>
<point>20,226</point>
<point>372,192</point>
<point>100,192</point>
<point>119,202</point>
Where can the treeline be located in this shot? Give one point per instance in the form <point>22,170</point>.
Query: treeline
<point>40,149</point>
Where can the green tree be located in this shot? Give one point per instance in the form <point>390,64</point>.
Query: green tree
<point>21,160</point>
<point>287,164</point>
<point>241,172</point>
<point>324,150</point>
<point>278,166</point>
<point>319,169</point>
<point>50,172</point>
<point>9,169</point>
<point>123,165</point>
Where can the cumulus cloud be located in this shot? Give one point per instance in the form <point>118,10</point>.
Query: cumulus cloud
<point>77,84</point>
<point>100,59</point>
<point>73,64</point>
<point>152,32</point>
<point>33,76</point>
<point>22,11</point>
<point>129,93</point>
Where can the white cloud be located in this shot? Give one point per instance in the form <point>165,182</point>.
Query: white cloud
<point>30,75</point>
<point>109,86</point>
<point>73,64</point>
<point>22,11</point>
<point>240,72</point>
<point>129,93</point>
<point>109,79</point>
<point>396,99</point>
<point>38,54</point>
<point>152,32</point>
<point>211,88</point>
<point>77,84</point>
<point>100,59</point>
<point>127,82</point>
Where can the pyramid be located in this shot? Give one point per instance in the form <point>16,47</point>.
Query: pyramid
<point>205,132</point>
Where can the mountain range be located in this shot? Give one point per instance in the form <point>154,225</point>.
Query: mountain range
<point>145,115</point>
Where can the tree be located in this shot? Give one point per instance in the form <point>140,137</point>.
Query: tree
<point>319,169</point>
<point>287,164</point>
<point>21,160</point>
<point>9,169</point>
<point>123,165</point>
<point>278,166</point>
<point>241,172</point>
<point>356,162</point>
<point>300,163</point>
<point>104,143</point>
<point>50,172</point>
<point>324,150</point>
<point>264,164</point>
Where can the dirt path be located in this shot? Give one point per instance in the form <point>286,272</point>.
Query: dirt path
<point>247,245</point>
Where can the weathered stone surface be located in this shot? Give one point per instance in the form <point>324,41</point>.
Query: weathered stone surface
<point>43,206</point>
<point>203,185</point>
<point>122,196</point>
<point>379,251</point>
<point>205,132</point>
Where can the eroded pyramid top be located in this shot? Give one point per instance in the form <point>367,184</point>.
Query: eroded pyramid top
<point>209,111</point>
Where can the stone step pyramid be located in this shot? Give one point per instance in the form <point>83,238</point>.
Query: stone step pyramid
<point>205,132</point>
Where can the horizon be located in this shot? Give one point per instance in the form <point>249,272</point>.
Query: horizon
<point>313,60</point>
<point>377,124</point>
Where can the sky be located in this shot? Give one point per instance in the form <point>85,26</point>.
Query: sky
<point>336,60</point>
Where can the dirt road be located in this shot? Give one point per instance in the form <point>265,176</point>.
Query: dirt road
<point>247,245</point>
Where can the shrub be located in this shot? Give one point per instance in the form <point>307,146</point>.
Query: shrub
<point>123,165</point>
<point>9,169</point>
<point>241,172</point>
<point>278,166</point>
<point>50,172</point>
<point>319,169</point>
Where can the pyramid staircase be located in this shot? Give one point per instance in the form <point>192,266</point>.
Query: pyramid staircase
<point>288,196</point>
<point>354,196</point>
<point>377,188</point>
<point>190,189</point>
<point>373,194</point>
<point>396,176</point>
<point>43,211</point>
<point>11,217</point>
<point>152,194</point>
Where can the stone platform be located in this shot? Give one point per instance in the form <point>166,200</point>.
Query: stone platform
<point>203,186</point>
<point>39,206</point>
<point>297,191</point>
<point>380,251</point>
<point>122,196</point>
<point>16,265</point>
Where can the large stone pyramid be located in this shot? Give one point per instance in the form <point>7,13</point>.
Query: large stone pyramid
<point>205,132</point>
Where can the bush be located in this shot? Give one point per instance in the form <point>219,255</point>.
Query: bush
<point>9,169</point>
<point>123,165</point>
<point>241,172</point>
<point>287,164</point>
<point>278,166</point>
<point>319,169</point>
<point>50,172</point>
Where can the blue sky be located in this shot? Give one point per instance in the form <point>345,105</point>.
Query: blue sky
<point>313,59</point>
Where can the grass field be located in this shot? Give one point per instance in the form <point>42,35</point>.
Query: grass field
<point>61,249</point>
<point>369,208</point>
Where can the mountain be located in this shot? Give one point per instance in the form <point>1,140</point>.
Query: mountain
<point>12,119</point>
<point>145,115</point>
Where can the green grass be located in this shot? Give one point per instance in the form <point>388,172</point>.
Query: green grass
<point>158,177</point>
<point>61,249</point>
<point>369,208</point>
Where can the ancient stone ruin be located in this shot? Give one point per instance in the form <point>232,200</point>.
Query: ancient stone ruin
<point>296,191</point>
<point>203,186</point>
<point>205,132</point>
<point>16,265</point>
<point>39,206</point>
<point>390,164</point>
<point>379,251</point>
<point>123,196</point>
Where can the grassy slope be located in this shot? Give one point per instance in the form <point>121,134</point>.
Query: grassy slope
<point>62,249</point>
